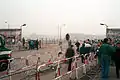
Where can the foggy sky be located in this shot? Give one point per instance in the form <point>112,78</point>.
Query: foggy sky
<point>44,16</point>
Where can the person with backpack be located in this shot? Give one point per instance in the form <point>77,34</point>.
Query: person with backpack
<point>69,54</point>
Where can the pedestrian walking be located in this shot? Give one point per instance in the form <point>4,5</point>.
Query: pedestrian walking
<point>69,54</point>
<point>105,52</point>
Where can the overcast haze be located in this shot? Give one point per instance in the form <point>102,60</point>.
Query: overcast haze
<point>43,16</point>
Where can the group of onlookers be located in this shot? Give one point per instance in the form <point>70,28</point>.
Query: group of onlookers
<point>107,52</point>
<point>70,52</point>
<point>29,44</point>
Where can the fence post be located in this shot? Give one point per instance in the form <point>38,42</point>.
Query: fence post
<point>27,62</point>
<point>9,72</point>
<point>37,77</point>
<point>58,70</point>
<point>76,67</point>
<point>84,69</point>
<point>84,65</point>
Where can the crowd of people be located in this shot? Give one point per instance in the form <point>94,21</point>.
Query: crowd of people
<point>107,51</point>
<point>30,44</point>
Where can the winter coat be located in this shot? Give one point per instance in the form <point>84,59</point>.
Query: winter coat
<point>82,49</point>
<point>116,55</point>
<point>69,53</point>
<point>106,49</point>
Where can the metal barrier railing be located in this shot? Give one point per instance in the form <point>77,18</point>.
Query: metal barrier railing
<point>85,67</point>
<point>26,66</point>
<point>10,72</point>
<point>77,71</point>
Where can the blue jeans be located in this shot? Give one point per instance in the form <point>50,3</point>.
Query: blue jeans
<point>105,64</point>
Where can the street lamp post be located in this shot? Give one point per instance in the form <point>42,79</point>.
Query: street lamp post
<point>9,34</point>
<point>58,33</point>
<point>7,25</point>
<point>21,30</point>
<point>60,41</point>
<point>61,31</point>
<point>106,26</point>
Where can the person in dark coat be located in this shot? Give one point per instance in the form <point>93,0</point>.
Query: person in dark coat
<point>23,41</point>
<point>37,43</point>
<point>82,52</point>
<point>29,45</point>
<point>117,59</point>
<point>70,53</point>
<point>40,44</point>
<point>77,45</point>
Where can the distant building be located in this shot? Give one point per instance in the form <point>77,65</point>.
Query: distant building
<point>113,33</point>
<point>12,36</point>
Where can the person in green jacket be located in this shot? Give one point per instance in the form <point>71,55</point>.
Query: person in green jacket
<point>105,51</point>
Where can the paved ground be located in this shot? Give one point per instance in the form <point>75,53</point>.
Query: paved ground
<point>48,75</point>
<point>112,75</point>
<point>19,63</point>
